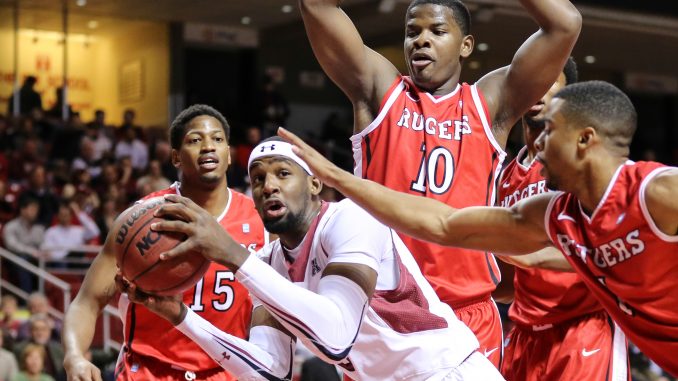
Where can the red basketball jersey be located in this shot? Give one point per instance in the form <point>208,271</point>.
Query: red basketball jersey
<point>441,148</point>
<point>218,297</point>
<point>629,265</point>
<point>541,296</point>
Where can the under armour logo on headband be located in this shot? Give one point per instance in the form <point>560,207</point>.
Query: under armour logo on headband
<point>264,148</point>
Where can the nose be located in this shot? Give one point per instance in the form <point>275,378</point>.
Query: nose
<point>271,185</point>
<point>207,145</point>
<point>422,40</point>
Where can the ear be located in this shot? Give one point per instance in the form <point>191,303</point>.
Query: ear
<point>467,44</point>
<point>175,158</point>
<point>229,157</point>
<point>315,185</point>
<point>587,136</point>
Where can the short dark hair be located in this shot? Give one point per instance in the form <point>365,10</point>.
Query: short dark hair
<point>26,199</point>
<point>178,126</point>
<point>602,106</point>
<point>570,71</point>
<point>460,13</point>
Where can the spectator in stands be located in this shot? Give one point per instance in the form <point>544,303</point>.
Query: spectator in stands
<point>56,112</point>
<point>153,181</point>
<point>273,107</point>
<point>98,132</point>
<point>86,160</point>
<point>26,159</point>
<point>106,215</point>
<point>38,305</point>
<point>164,156</point>
<point>66,236</point>
<point>130,146</point>
<point>252,138</point>
<point>28,97</point>
<point>39,188</point>
<point>33,358</point>
<point>7,204</point>
<point>8,364</point>
<point>11,319</point>
<point>23,236</point>
<point>41,332</point>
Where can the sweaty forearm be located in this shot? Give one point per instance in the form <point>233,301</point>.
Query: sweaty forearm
<point>78,331</point>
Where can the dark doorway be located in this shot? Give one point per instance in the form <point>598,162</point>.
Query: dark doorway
<point>223,79</point>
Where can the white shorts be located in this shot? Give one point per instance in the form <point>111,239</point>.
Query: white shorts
<point>475,367</point>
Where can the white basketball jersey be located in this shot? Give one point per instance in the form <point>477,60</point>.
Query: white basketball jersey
<point>407,332</point>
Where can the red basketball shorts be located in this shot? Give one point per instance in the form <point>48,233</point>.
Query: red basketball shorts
<point>133,367</point>
<point>484,320</point>
<point>586,348</point>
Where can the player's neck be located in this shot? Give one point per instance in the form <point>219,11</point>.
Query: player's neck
<point>213,199</point>
<point>529,157</point>
<point>596,179</point>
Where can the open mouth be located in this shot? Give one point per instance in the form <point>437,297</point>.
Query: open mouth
<point>208,162</point>
<point>420,60</point>
<point>274,209</point>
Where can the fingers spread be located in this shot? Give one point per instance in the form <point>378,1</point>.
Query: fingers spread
<point>175,211</point>
<point>172,227</point>
<point>183,248</point>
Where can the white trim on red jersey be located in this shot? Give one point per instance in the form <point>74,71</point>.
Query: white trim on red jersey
<point>646,213</point>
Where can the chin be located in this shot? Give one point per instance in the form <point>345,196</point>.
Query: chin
<point>277,226</point>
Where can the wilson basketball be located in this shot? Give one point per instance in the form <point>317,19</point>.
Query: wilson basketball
<point>138,250</point>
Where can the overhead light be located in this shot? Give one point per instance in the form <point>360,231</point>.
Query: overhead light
<point>246,20</point>
<point>590,59</point>
<point>287,8</point>
<point>483,46</point>
<point>92,24</point>
<point>81,3</point>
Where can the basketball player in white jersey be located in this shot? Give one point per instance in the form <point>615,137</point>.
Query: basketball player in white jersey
<point>337,279</point>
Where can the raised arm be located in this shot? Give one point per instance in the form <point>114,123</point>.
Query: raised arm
<point>80,320</point>
<point>662,203</point>
<point>480,228</point>
<point>361,73</point>
<point>510,91</point>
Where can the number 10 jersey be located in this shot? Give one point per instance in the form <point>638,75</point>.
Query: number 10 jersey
<point>441,148</point>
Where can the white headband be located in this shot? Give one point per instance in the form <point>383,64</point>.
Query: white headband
<point>276,148</point>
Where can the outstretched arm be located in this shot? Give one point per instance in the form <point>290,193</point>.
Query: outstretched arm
<point>361,73</point>
<point>480,228</point>
<point>512,90</point>
<point>548,258</point>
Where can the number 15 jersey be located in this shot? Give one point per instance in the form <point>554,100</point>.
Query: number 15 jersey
<point>440,148</point>
<point>218,297</point>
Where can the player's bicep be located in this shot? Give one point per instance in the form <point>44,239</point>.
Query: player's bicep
<point>340,50</point>
<point>99,284</point>
<point>662,205</point>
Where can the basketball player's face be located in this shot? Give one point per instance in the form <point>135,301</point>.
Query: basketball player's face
<point>434,46</point>
<point>282,193</point>
<point>557,148</point>
<point>204,153</point>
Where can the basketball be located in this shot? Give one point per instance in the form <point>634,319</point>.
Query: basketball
<point>138,250</point>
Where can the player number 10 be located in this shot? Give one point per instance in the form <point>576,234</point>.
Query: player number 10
<point>428,168</point>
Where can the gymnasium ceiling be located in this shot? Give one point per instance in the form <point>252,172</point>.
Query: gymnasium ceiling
<point>623,34</point>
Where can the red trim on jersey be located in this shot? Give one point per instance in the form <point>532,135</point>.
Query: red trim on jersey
<point>297,270</point>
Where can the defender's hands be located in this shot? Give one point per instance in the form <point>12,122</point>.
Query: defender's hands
<point>322,168</point>
<point>171,308</point>
<point>79,369</point>
<point>203,233</point>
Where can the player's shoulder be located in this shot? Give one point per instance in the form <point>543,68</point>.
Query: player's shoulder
<point>238,198</point>
<point>171,190</point>
<point>347,217</point>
